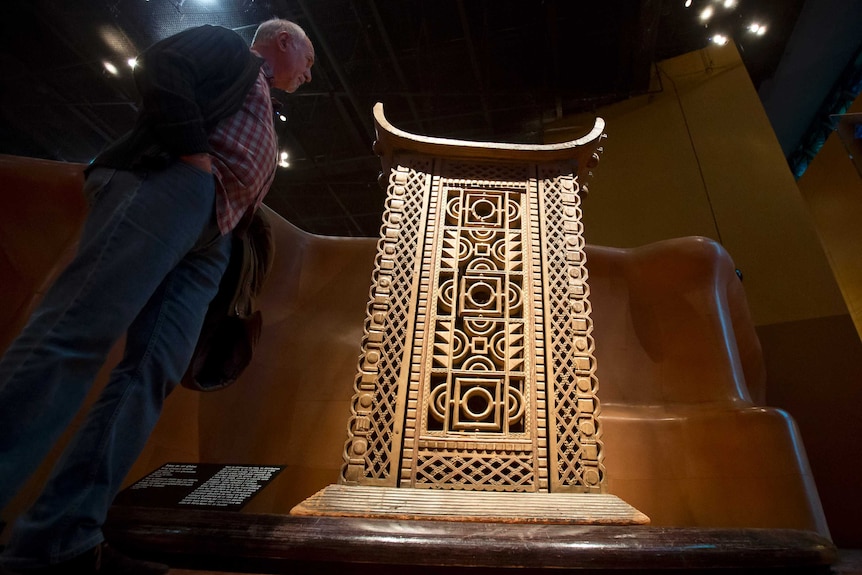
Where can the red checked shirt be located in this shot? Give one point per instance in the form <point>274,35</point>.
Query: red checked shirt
<point>244,155</point>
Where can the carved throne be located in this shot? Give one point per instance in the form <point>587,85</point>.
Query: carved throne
<point>476,388</point>
<point>724,478</point>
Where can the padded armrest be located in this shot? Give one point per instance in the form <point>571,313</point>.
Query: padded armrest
<point>672,325</point>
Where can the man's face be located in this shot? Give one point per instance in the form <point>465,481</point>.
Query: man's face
<point>292,67</point>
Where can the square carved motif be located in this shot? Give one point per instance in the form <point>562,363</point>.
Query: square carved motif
<point>481,296</point>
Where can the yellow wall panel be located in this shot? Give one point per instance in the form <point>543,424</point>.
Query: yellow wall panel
<point>832,188</point>
<point>699,157</point>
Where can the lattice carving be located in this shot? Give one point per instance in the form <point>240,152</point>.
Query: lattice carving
<point>477,369</point>
<point>575,404</point>
<point>368,451</point>
<point>475,470</point>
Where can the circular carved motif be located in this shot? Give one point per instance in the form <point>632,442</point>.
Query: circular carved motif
<point>446,295</point>
<point>359,446</point>
<point>481,236</point>
<point>437,403</point>
<point>516,405</point>
<point>498,251</point>
<point>498,347</point>
<point>479,363</point>
<point>453,210</point>
<point>515,300</point>
<point>483,210</point>
<point>465,250</point>
<point>479,327</point>
<point>477,403</point>
<point>513,211</point>
<point>481,295</point>
<point>482,265</point>
<point>459,345</point>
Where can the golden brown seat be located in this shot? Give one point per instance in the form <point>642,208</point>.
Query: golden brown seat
<point>686,437</point>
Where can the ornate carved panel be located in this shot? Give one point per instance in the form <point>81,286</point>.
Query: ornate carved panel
<point>374,424</point>
<point>474,421</point>
<point>477,369</point>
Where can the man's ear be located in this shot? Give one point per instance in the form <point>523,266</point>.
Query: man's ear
<point>283,40</point>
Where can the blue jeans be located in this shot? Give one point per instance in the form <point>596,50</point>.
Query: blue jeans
<point>149,262</point>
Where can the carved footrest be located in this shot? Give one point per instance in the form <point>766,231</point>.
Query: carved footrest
<point>448,505</point>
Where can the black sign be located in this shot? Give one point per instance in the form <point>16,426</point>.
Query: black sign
<point>199,486</point>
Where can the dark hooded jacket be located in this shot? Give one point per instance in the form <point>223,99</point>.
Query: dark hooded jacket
<point>187,84</point>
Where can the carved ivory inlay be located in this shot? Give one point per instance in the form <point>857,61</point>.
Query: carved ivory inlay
<point>477,369</point>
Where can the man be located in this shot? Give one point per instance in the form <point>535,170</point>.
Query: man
<point>165,200</point>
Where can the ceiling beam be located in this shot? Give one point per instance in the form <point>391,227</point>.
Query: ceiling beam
<point>643,43</point>
<point>393,59</point>
<point>93,121</point>
<point>75,109</point>
<point>474,61</point>
<point>360,114</point>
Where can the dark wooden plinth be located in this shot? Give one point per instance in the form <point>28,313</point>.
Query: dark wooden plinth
<point>294,544</point>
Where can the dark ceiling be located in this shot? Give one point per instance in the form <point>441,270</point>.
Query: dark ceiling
<point>470,69</point>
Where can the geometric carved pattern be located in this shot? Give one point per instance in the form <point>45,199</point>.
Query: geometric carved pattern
<point>575,427</point>
<point>368,451</point>
<point>477,368</point>
<point>478,471</point>
<point>477,388</point>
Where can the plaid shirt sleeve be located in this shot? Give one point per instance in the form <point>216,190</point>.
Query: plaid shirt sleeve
<point>244,156</point>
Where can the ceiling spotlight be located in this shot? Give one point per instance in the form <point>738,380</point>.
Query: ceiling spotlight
<point>706,13</point>
<point>282,160</point>
<point>688,3</point>
<point>110,68</point>
<point>282,117</point>
<point>756,28</point>
<point>730,4</point>
<point>719,39</point>
<point>132,62</point>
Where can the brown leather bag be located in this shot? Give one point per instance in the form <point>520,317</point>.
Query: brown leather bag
<point>232,325</point>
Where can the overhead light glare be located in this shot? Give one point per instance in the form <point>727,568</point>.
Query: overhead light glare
<point>730,4</point>
<point>282,160</point>
<point>688,3</point>
<point>282,117</point>
<point>719,39</point>
<point>132,62</point>
<point>756,28</point>
<point>706,13</point>
<point>110,68</point>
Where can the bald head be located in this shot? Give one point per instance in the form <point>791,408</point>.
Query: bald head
<point>288,50</point>
<point>268,31</point>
